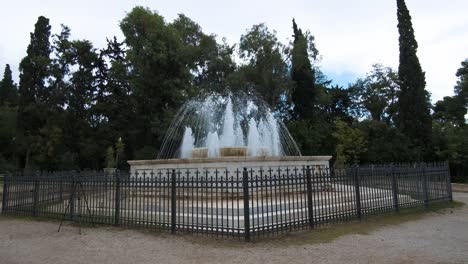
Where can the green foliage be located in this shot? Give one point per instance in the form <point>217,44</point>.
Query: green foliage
<point>461,89</point>
<point>450,110</point>
<point>351,144</point>
<point>333,103</point>
<point>7,137</point>
<point>312,138</point>
<point>79,107</point>
<point>385,143</point>
<point>8,90</point>
<point>146,152</point>
<point>33,93</point>
<point>451,143</point>
<point>46,147</point>
<point>160,76</point>
<point>305,93</point>
<point>375,96</point>
<point>413,118</point>
<point>450,131</point>
<point>265,70</point>
<point>110,158</point>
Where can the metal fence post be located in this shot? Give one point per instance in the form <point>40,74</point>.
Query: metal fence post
<point>395,190</point>
<point>117,197</point>
<point>358,192</point>
<point>309,198</point>
<point>449,181</point>
<point>245,185</point>
<point>60,189</point>
<point>71,203</point>
<point>426,193</point>
<point>5,193</point>
<point>173,201</point>
<point>36,195</point>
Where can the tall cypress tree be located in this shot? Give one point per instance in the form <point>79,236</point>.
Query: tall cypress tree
<point>461,89</point>
<point>8,91</point>
<point>414,118</point>
<point>33,93</point>
<point>304,93</point>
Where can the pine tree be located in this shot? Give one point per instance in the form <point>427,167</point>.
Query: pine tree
<point>8,91</point>
<point>304,92</point>
<point>414,118</point>
<point>34,69</point>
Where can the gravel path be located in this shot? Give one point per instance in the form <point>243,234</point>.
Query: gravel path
<point>438,238</point>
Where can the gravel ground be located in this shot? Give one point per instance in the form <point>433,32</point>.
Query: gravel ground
<point>437,238</point>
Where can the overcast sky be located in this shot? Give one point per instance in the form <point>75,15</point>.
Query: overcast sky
<point>350,35</point>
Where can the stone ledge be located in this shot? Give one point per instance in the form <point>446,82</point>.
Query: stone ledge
<point>459,187</point>
<point>229,159</point>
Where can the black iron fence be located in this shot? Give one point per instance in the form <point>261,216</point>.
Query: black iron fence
<point>247,203</point>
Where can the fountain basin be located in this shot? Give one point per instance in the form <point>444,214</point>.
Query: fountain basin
<point>259,152</point>
<point>233,151</point>
<point>231,164</point>
<point>200,153</point>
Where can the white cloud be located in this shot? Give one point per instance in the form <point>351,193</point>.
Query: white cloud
<point>351,35</point>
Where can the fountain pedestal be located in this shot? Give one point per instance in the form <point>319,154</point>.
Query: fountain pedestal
<point>229,163</point>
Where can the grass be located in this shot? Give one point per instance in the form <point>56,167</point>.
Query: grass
<point>323,234</point>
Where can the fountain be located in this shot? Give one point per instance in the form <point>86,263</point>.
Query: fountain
<point>227,131</point>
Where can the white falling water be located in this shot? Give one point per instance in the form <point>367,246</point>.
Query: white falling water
<point>228,137</point>
<point>212,143</point>
<point>239,141</point>
<point>275,145</point>
<point>188,143</point>
<point>218,121</point>
<point>254,139</point>
<point>265,137</point>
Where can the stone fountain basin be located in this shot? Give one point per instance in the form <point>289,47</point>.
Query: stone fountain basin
<point>199,153</point>
<point>233,151</point>
<point>259,152</point>
<point>228,163</point>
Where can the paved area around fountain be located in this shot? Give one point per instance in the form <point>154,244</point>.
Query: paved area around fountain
<point>225,213</point>
<point>437,238</point>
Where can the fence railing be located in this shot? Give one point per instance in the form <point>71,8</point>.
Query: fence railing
<point>247,202</point>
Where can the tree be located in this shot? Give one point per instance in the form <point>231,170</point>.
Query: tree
<point>160,75</point>
<point>8,102</point>
<point>450,143</point>
<point>376,95</point>
<point>8,90</point>
<point>386,143</point>
<point>450,110</point>
<point>33,92</point>
<point>110,157</point>
<point>82,121</point>
<point>115,106</point>
<point>450,130</point>
<point>7,138</point>
<point>461,89</point>
<point>414,118</point>
<point>210,63</point>
<point>60,69</point>
<point>334,104</point>
<point>265,70</point>
<point>304,95</point>
<point>351,144</point>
